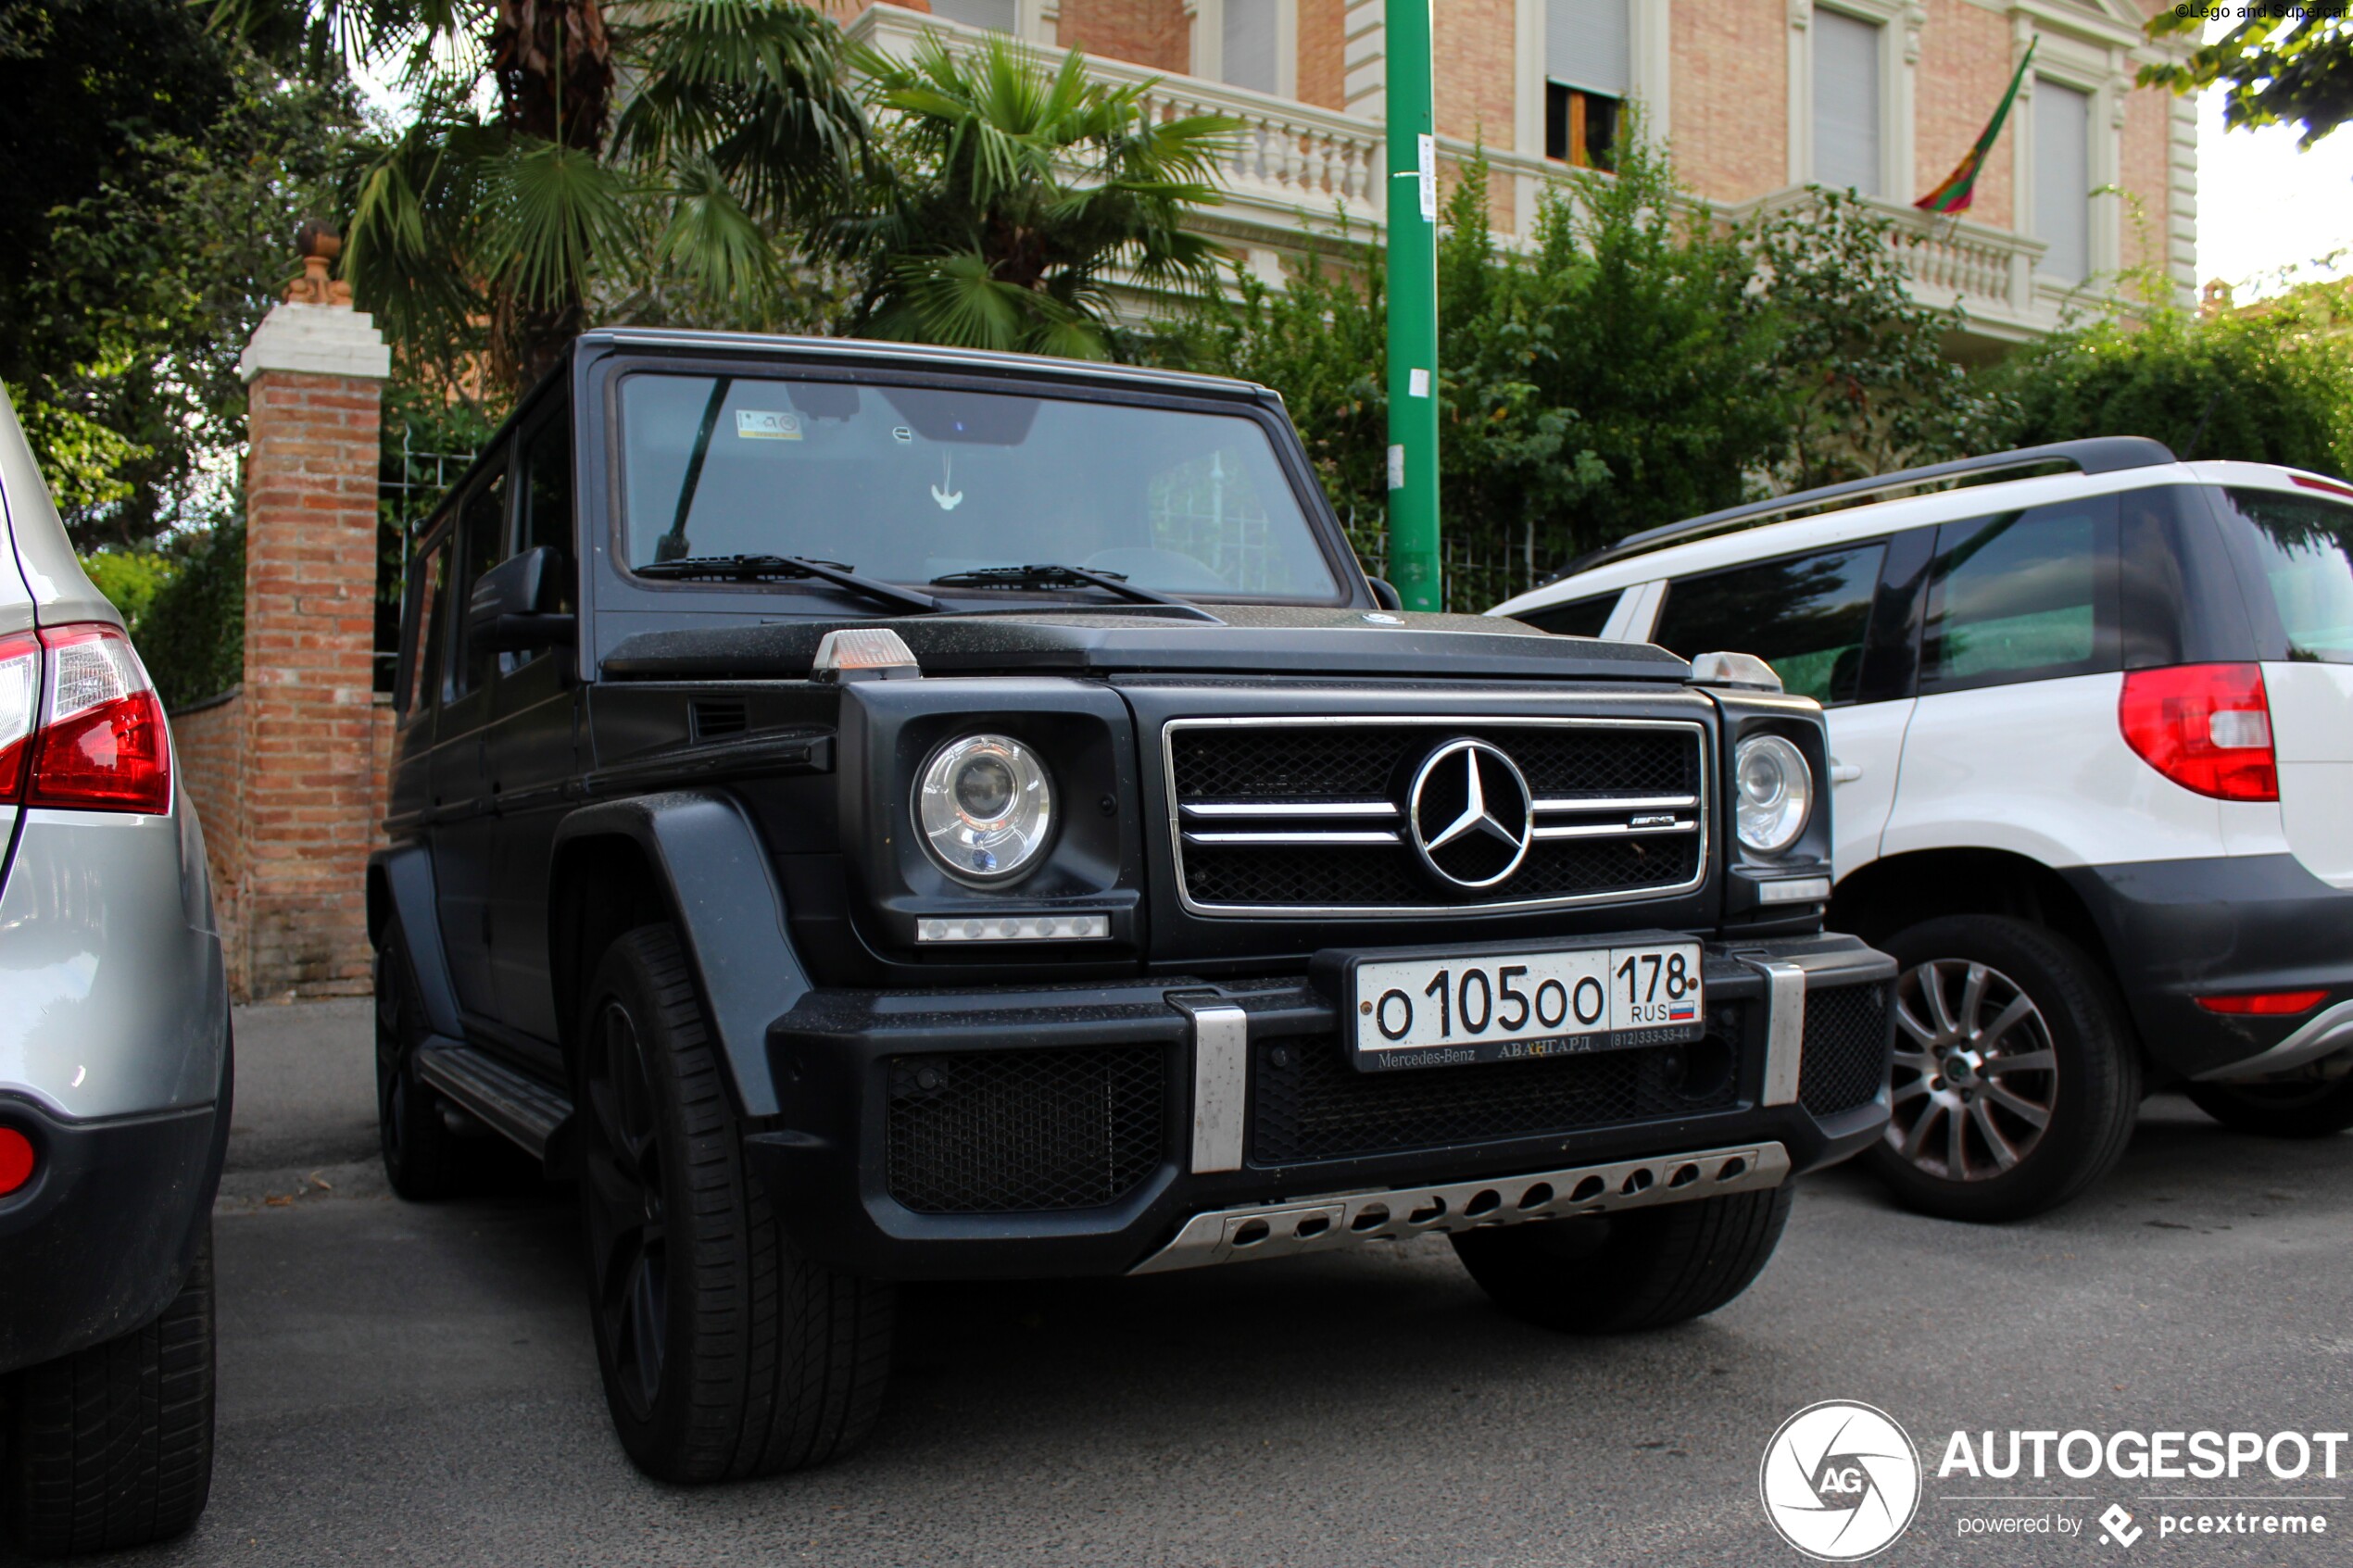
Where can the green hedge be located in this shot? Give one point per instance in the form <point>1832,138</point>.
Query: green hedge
<point>192,636</point>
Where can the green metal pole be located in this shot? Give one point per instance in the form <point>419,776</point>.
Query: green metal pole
<point>1413,308</point>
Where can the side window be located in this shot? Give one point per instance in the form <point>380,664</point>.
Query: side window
<point>428,626</point>
<point>2024,597</point>
<point>482,544</point>
<point>543,512</point>
<point>1807,615</point>
<point>1578,618</point>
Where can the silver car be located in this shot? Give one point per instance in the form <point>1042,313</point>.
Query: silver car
<point>114,1067</point>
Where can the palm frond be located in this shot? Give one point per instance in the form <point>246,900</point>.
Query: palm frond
<point>547,209</point>
<point>711,239</point>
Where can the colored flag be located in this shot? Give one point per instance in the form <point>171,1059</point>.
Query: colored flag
<point>1960,187</point>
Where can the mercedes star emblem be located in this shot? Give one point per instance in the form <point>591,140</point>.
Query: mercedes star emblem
<point>1469,813</point>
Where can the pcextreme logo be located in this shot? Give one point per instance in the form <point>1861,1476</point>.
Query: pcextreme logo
<point>1840,1481</point>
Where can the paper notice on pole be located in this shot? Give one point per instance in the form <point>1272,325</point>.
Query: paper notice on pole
<point>1397,467</point>
<point>1429,179</point>
<point>1417,383</point>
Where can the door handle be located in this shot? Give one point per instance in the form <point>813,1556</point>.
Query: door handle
<point>1843,772</point>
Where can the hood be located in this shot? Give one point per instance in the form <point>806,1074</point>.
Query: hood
<point>1255,640</point>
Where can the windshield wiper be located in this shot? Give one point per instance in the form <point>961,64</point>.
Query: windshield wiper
<point>751,569</point>
<point>1050,576</point>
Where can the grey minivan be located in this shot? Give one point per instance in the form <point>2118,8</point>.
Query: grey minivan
<point>114,1067</point>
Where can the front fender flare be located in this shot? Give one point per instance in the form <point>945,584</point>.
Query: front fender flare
<point>711,866</point>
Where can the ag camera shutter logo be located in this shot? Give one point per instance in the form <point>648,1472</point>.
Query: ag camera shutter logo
<point>1840,1481</point>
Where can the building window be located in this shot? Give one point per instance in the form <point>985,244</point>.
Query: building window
<point>1588,73</point>
<point>2063,180</point>
<point>1847,103</point>
<point>998,16</point>
<point>1250,44</point>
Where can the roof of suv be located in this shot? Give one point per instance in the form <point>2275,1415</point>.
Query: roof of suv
<point>1763,531</point>
<point>921,355</point>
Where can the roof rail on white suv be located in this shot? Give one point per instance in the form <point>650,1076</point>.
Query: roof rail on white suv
<point>2091,715</point>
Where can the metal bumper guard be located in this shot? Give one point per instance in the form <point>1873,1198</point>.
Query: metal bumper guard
<point>1221,1044</point>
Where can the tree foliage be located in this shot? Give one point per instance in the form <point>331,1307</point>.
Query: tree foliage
<point>1013,194</point>
<point>2270,385</point>
<point>2283,64</point>
<point>1640,362</point>
<point>153,173</point>
<point>527,192</point>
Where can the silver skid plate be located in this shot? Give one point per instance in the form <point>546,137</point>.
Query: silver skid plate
<point>1281,1230</point>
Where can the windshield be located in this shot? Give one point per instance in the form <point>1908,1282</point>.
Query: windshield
<point>2306,547</point>
<point>913,484</point>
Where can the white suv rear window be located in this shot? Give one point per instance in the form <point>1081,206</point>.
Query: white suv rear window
<point>2305,547</point>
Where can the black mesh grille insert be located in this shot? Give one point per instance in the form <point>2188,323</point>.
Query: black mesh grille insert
<point>1359,761</point>
<point>1308,1103</point>
<point>1012,1131</point>
<point>1374,761</point>
<point>1845,1058</point>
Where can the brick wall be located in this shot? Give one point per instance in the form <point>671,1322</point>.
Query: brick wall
<point>207,744</point>
<point>1323,69</point>
<point>310,786</point>
<point>2144,170</point>
<point>1474,70</point>
<point>1965,65</point>
<point>1731,65</point>
<point>1154,33</point>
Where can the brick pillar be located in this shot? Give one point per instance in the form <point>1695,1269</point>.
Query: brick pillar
<point>314,373</point>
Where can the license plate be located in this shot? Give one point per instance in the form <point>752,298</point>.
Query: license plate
<point>1439,1009</point>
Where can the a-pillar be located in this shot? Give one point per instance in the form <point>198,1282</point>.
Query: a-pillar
<point>314,372</point>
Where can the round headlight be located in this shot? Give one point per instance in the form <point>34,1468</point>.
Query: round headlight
<point>985,808</point>
<point>1775,793</point>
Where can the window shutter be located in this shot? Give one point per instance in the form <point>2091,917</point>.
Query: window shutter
<point>2063,180</point>
<point>1587,44</point>
<point>1250,43</point>
<point>1846,90</point>
<point>998,16</point>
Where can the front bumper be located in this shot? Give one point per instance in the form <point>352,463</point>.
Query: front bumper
<point>1090,1130</point>
<point>2234,924</point>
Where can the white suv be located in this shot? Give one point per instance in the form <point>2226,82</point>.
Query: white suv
<point>2092,738</point>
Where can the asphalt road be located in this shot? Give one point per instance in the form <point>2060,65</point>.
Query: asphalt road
<point>401,1384</point>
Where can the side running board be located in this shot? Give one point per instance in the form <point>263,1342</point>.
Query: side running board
<point>522,1109</point>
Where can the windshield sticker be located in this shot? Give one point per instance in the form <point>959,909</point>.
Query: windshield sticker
<point>949,500</point>
<point>763,425</point>
<point>901,434</point>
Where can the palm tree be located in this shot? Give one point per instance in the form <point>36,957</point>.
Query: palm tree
<point>1013,196</point>
<point>559,152</point>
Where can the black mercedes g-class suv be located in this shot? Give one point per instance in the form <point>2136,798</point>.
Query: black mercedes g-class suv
<point>873,813</point>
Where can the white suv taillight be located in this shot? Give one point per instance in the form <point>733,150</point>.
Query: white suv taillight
<point>2208,727</point>
<point>100,743</point>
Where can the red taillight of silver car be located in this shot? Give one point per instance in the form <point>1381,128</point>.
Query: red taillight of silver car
<point>2208,727</point>
<point>80,726</point>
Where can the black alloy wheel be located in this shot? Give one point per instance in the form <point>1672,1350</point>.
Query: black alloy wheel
<point>423,1160</point>
<point>625,1208</point>
<point>725,1353</point>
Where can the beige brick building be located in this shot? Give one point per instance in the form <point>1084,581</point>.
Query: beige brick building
<point>2092,177</point>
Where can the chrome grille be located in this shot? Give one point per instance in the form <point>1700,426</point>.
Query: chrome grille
<point>1300,817</point>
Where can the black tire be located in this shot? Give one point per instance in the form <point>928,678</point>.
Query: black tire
<point>2316,1109</point>
<point>1623,1274</point>
<point>2071,1061</point>
<point>725,1353</point>
<point>111,1447</point>
<point>423,1160</point>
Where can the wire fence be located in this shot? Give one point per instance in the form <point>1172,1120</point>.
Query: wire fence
<point>410,483</point>
<point>1473,577</point>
